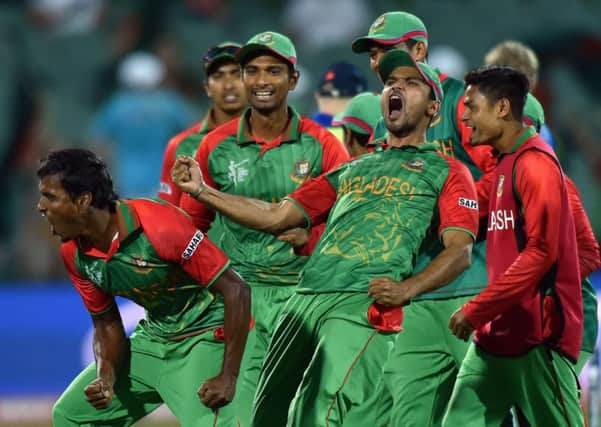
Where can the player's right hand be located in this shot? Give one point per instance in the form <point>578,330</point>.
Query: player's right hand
<point>99,394</point>
<point>297,237</point>
<point>218,391</point>
<point>186,174</point>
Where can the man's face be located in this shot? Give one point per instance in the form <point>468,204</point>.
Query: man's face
<point>406,101</point>
<point>62,213</point>
<point>224,86</point>
<point>377,51</point>
<point>481,117</point>
<point>267,82</point>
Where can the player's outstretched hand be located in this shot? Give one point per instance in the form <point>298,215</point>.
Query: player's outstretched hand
<point>459,325</point>
<point>389,292</point>
<point>186,174</point>
<point>99,393</point>
<point>218,391</point>
<point>297,237</point>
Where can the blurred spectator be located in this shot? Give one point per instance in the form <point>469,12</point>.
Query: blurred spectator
<point>449,59</point>
<point>66,16</point>
<point>337,86</point>
<point>136,123</point>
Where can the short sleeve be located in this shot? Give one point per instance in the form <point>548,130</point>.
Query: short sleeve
<point>315,198</point>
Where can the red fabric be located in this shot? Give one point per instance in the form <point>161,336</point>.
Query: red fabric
<point>172,234</point>
<point>94,298</point>
<point>316,196</point>
<point>201,214</point>
<point>168,191</point>
<point>453,202</point>
<point>588,247</point>
<point>384,318</point>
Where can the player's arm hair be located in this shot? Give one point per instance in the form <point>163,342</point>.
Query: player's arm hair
<point>110,343</point>
<point>236,297</point>
<point>273,218</point>
<point>452,261</point>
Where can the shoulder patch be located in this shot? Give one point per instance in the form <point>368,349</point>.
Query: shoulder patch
<point>468,203</point>
<point>192,245</point>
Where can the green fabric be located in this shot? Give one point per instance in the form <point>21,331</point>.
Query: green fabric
<point>583,357</point>
<point>267,304</point>
<point>321,361</point>
<point>137,273</point>
<point>269,41</point>
<point>390,28</point>
<point>395,58</point>
<point>383,211</point>
<point>361,113</point>
<point>533,110</point>
<point>238,167</point>
<point>591,321</point>
<point>541,383</point>
<point>527,134</point>
<point>158,371</point>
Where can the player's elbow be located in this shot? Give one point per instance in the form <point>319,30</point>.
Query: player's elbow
<point>463,255</point>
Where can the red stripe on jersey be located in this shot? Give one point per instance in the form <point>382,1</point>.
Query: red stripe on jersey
<point>333,151</point>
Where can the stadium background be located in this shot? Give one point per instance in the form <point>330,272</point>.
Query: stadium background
<point>59,69</point>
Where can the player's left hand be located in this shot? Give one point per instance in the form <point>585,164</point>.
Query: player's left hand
<point>389,292</point>
<point>218,391</point>
<point>459,325</point>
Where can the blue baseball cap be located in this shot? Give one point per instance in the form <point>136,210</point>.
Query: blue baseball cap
<point>342,79</point>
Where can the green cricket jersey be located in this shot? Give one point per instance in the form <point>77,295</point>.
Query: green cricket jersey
<point>234,161</point>
<point>160,261</point>
<point>379,209</point>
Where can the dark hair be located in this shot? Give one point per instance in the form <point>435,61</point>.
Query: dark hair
<point>499,81</point>
<point>361,138</point>
<point>81,171</point>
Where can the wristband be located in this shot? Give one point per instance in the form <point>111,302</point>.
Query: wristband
<point>196,193</point>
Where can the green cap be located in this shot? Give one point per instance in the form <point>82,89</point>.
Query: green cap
<point>270,41</point>
<point>399,58</point>
<point>361,113</point>
<point>223,51</point>
<point>533,112</point>
<point>392,28</point>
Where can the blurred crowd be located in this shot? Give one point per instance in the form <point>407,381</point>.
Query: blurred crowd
<point>122,77</point>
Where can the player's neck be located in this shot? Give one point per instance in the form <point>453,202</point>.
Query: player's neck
<point>510,135</point>
<point>101,229</point>
<point>220,117</point>
<point>268,126</point>
<point>413,139</point>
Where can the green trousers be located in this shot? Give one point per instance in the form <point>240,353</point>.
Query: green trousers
<point>267,304</point>
<point>323,360</point>
<point>157,371</point>
<point>541,383</point>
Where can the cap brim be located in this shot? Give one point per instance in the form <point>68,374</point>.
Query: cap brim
<point>218,59</point>
<point>248,49</point>
<point>363,44</point>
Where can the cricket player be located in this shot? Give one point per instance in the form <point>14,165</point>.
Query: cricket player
<point>223,86</point>
<point>528,320</point>
<point>187,352</point>
<point>358,121</point>
<point>335,332</point>
<point>268,152</point>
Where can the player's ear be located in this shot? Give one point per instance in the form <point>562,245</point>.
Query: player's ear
<point>433,108</point>
<point>206,86</point>
<point>503,107</point>
<point>294,76</point>
<point>419,51</point>
<point>84,201</point>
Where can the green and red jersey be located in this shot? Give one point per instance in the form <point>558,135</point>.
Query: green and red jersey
<point>159,260</point>
<point>183,144</point>
<point>234,161</point>
<point>379,209</point>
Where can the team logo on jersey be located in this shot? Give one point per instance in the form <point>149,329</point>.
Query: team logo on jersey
<point>164,188</point>
<point>378,24</point>
<point>300,171</point>
<point>192,245</point>
<point>437,119</point>
<point>139,261</point>
<point>237,172</point>
<point>468,203</point>
<point>414,165</point>
<point>94,275</point>
<point>266,38</point>
<point>500,186</point>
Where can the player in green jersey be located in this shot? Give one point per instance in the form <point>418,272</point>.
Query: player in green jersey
<point>335,332</point>
<point>268,152</point>
<point>418,379</point>
<point>187,351</point>
<point>224,88</point>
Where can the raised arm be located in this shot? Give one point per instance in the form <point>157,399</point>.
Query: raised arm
<point>253,213</point>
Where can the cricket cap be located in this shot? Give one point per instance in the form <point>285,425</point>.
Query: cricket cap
<point>361,113</point>
<point>392,28</point>
<point>225,51</point>
<point>270,41</point>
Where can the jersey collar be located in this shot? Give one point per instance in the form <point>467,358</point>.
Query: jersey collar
<point>291,133</point>
<point>528,133</point>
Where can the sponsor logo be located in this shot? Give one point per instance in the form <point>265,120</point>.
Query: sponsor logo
<point>266,38</point>
<point>164,188</point>
<point>237,172</point>
<point>445,146</point>
<point>500,220</point>
<point>500,186</point>
<point>414,165</point>
<point>378,24</point>
<point>194,242</point>
<point>468,203</point>
<point>139,261</point>
<point>300,171</point>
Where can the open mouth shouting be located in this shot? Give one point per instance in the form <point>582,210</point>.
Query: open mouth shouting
<point>395,105</point>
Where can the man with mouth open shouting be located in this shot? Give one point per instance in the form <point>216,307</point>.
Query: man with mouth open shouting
<point>267,153</point>
<point>335,332</point>
<point>187,351</point>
